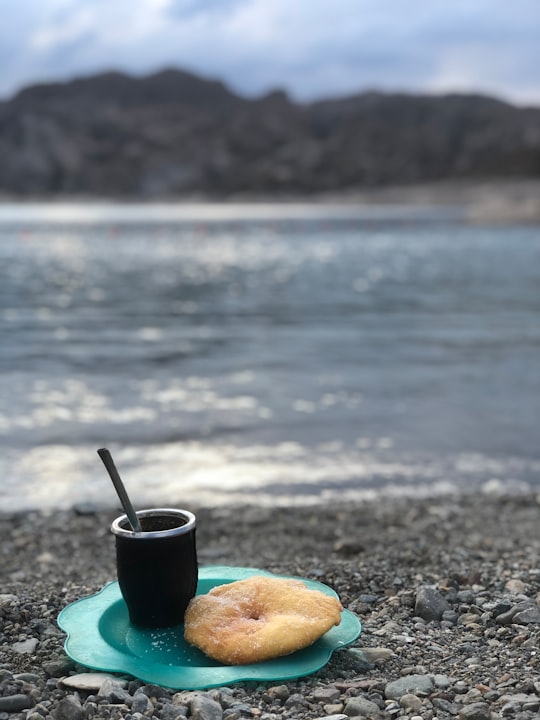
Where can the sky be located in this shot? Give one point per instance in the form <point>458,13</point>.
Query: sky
<point>310,48</point>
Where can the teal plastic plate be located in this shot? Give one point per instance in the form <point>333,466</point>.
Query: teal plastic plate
<point>100,636</point>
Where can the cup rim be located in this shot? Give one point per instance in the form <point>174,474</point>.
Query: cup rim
<point>188,526</point>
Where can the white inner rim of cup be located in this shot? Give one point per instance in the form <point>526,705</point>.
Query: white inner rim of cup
<point>188,526</point>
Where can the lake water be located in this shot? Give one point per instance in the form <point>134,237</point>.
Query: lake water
<point>264,353</point>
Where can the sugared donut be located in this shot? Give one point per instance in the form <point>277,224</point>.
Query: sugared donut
<point>259,618</point>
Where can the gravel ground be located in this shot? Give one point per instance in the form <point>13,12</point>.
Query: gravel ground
<point>448,592</point>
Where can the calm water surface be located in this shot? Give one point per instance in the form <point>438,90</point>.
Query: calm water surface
<point>274,354</point>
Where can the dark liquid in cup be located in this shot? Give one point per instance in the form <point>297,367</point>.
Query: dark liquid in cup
<point>157,575</point>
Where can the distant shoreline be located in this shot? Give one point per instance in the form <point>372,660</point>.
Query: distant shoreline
<point>499,201</point>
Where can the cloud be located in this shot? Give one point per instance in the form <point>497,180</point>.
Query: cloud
<point>312,48</point>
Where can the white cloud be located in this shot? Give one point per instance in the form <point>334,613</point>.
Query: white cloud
<point>69,31</point>
<point>310,47</point>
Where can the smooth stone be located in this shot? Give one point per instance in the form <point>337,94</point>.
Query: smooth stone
<point>173,712</point>
<point>528,615</point>
<point>295,700</point>
<point>468,619</point>
<point>25,647</point>
<point>515,698</point>
<point>409,684</point>
<point>410,702</point>
<point>27,677</point>
<point>326,695</point>
<point>430,604</point>
<point>338,716</point>
<point>444,705</point>
<point>90,682</point>
<point>278,692</point>
<point>450,616</point>
<point>7,599</point>
<point>57,667</point>
<point>114,692</point>
<point>349,547</point>
<point>368,599</point>
<point>360,706</point>
<point>442,681</point>
<point>69,708</point>
<point>141,703</point>
<point>359,660</point>
<point>377,654</point>
<point>515,586</point>
<point>503,606</point>
<point>505,618</point>
<point>510,708</point>
<point>334,709</point>
<point>14,703</point>
<point>202,707</point>
<point>475,711</point>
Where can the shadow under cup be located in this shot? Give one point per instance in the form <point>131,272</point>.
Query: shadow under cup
<point>157,568</point>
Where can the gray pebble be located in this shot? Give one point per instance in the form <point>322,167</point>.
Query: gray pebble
<point>241,708</point>
<point>295,700</point>
<point>526,614</point>
<point>232,714</point>
<point>202,707</point>
<point>510,708</point>
<point>430,604</point>
<point>505,618</point>
<point>325,694</point>
<point>58,666</point>
<point>444,705</point>
<point>278,692</point>
<point>450,616</point>
<point>500,607</point>
<point>114,692</point>
<point>377,654</point>
<point>173,712</point>
<point>141,703</point>
<point>333,708</point>
<point>26,646</point>
<point>442,681</point>
<point>410,702</point>
<point>475,711</point>
<point>90,682</point>
<point>27,677</point>
<point>368,599</point>
<point>348,547</point>
<point>408,684</point>
<point>359,660</point>
<point>69,708</point>
<point>155,691</point>
<point>14,703</point>
<point>360,706</point>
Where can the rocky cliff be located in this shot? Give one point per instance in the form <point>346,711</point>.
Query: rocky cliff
<point>173,134</point>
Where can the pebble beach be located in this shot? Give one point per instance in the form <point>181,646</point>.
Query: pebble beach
<point>447,591</point>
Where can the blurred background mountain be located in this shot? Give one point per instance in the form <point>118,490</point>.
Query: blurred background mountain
<point>173,134</point>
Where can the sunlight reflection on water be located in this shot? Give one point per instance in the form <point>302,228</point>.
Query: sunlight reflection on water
<point>259,353</point>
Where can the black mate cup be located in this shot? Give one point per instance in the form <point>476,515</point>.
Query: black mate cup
<point>157,568</point>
